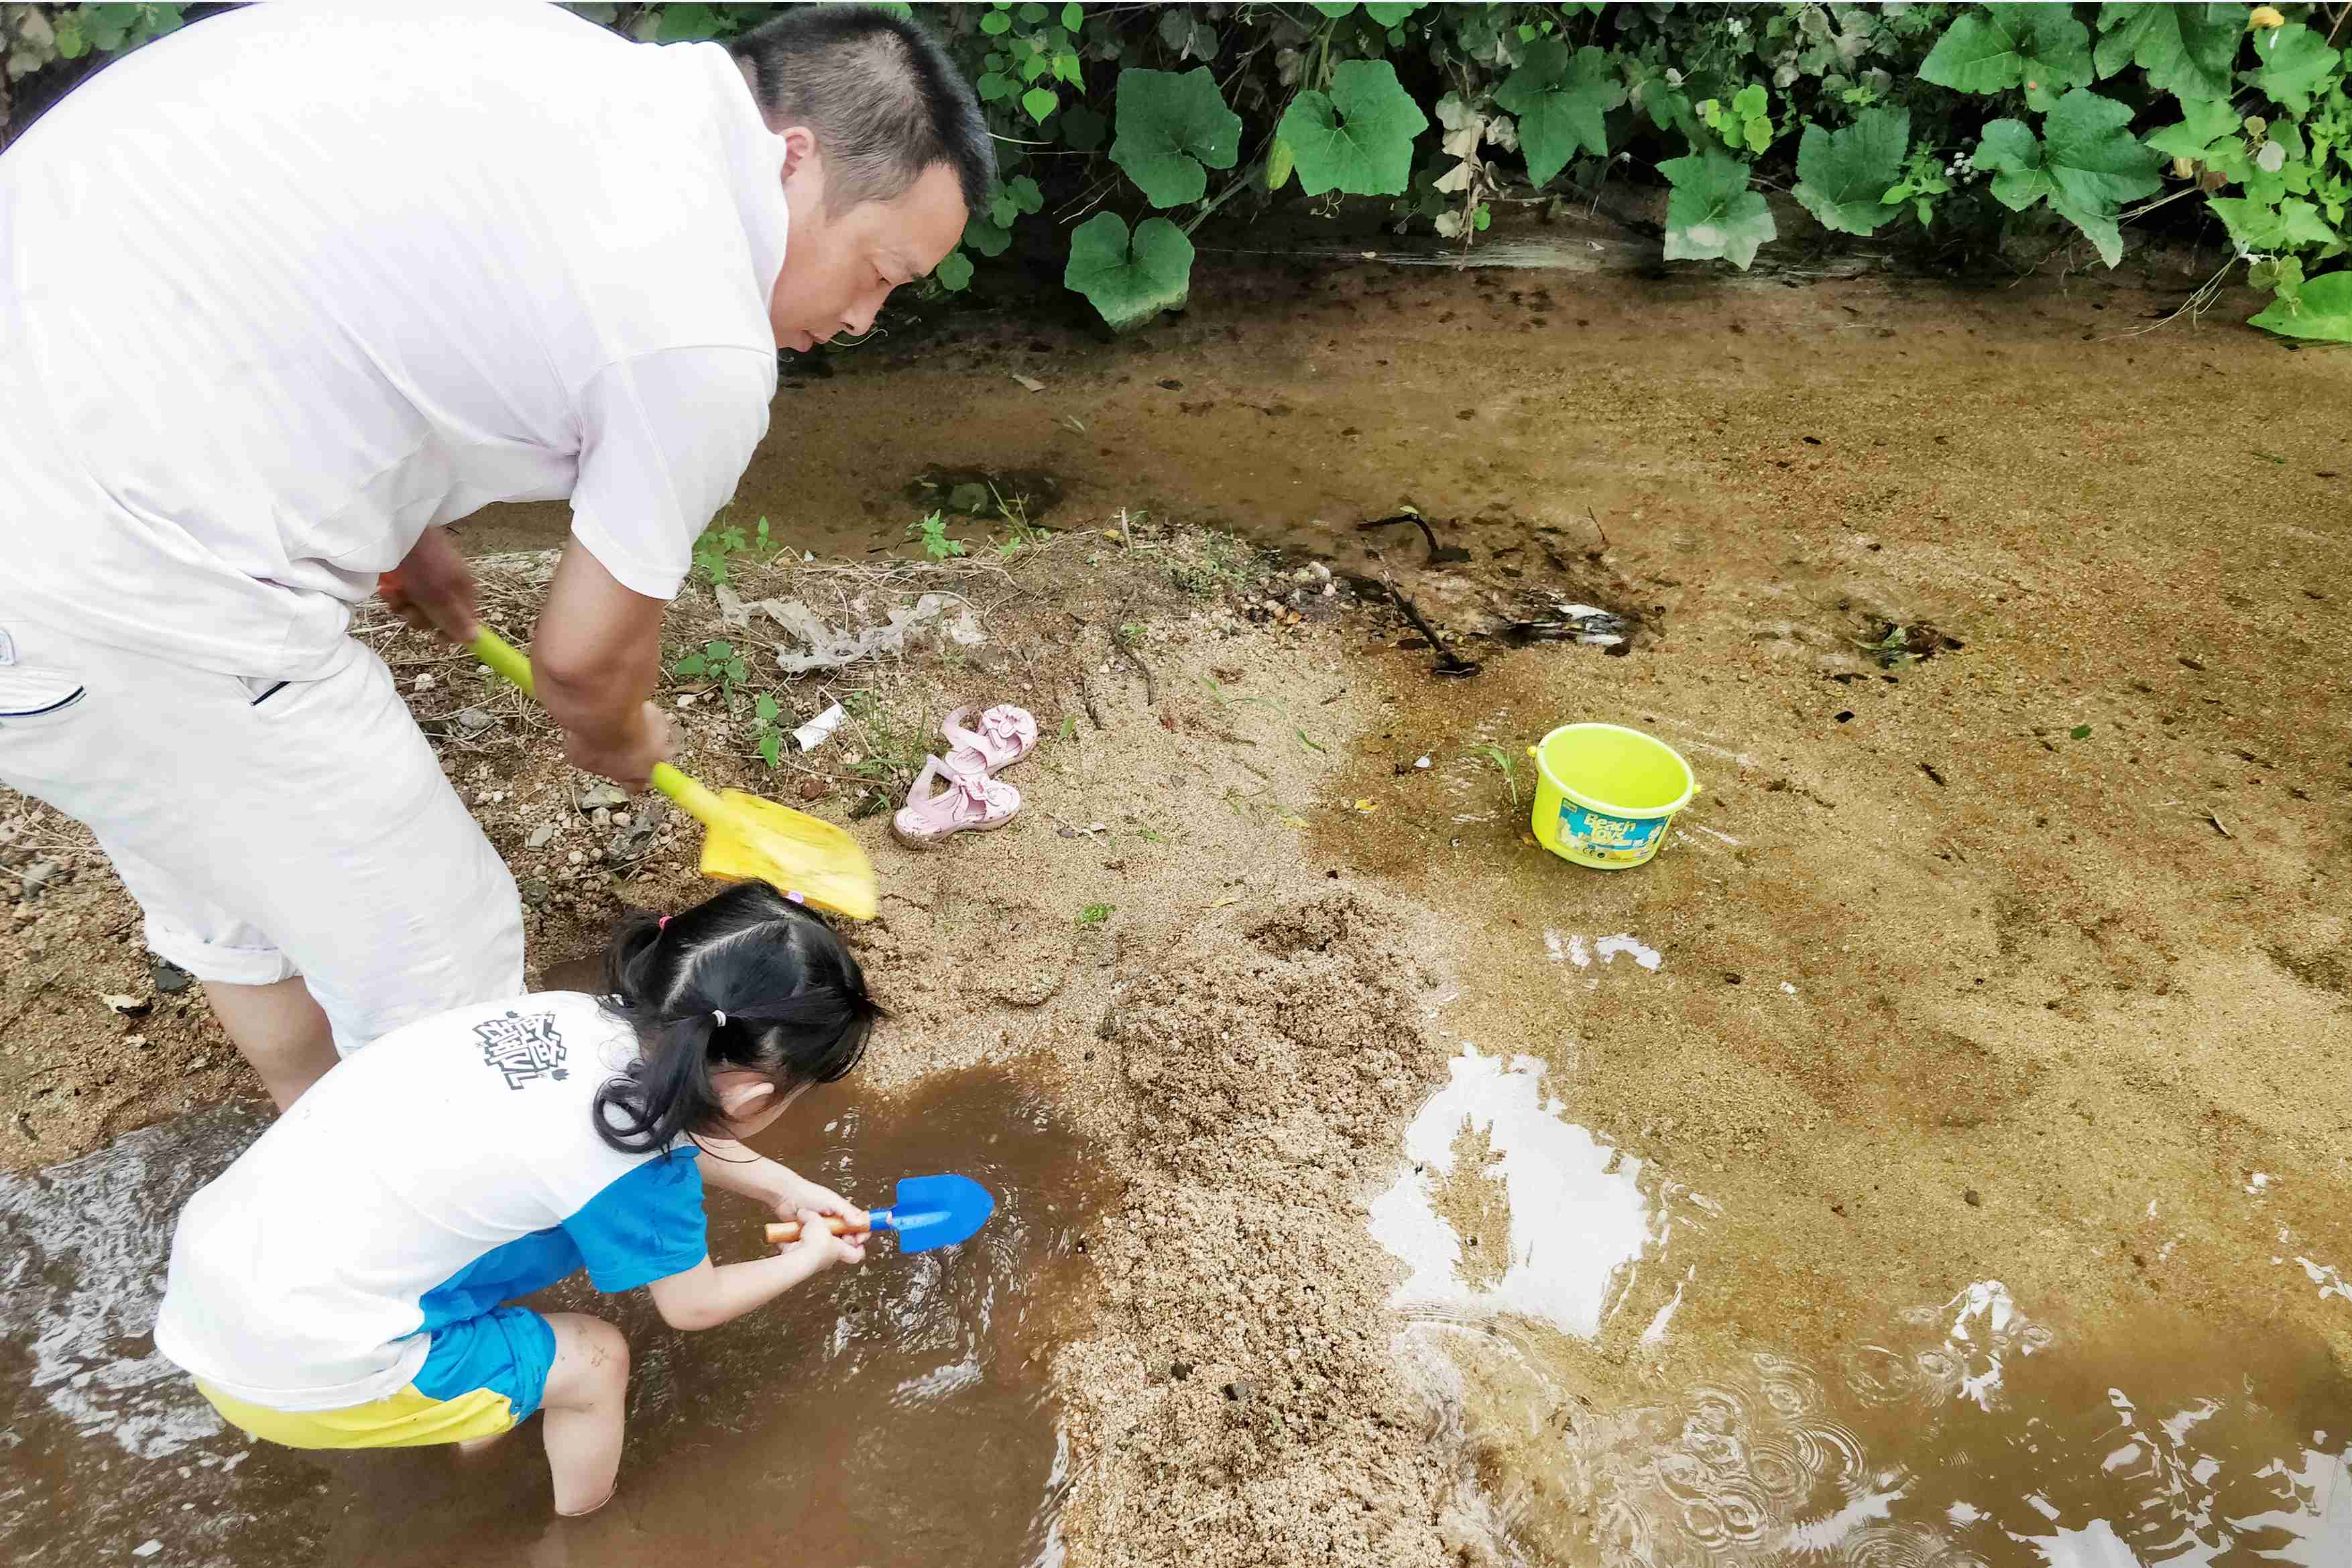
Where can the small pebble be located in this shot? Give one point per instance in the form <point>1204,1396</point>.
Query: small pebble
<point>148,1550</point>
<point>1973,1198</point>
<point>1423,762</point>
<point>421,683</point>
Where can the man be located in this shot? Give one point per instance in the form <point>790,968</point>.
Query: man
<point>284,294</point>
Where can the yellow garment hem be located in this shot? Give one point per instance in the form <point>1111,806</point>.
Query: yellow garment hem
<point>407,1420</point>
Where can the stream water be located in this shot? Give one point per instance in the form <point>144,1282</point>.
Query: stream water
<point>842,1421</point>
<point>1967,1433</point>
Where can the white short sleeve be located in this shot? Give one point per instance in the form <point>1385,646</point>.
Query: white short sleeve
<point>665,439</point>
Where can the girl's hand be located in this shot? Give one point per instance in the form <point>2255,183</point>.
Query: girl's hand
<point>800,1193</point>
<point>821,1247</point>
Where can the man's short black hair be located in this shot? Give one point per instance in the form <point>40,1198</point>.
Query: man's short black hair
<point>883,99</point>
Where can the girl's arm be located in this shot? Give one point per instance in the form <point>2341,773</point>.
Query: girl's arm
<point>712,1293</point>
<point>730,1168</point>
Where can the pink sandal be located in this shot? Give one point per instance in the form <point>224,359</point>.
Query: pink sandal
<point>1005,736</point>
<point>972,803</point>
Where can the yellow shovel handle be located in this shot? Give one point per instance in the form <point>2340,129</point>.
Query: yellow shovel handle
<point>511,664</point>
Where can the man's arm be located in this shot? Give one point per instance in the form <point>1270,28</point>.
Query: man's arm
<point>595,657</point>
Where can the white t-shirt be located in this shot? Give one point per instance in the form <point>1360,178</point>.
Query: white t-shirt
<point>283,288</point>
<point>451,1166</point>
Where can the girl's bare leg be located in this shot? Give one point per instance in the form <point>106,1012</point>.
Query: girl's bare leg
<point>587,1391</point>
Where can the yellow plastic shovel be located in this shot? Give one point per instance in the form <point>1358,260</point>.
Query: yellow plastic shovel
<point>745,838</point>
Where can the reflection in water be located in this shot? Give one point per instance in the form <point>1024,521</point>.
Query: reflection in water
<point>898,1414</point>
<point>1580,1216</point>
<point>1966,1435</point>
<point>1972,1439</point>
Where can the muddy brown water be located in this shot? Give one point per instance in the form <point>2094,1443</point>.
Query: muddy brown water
<point>894,1416</point>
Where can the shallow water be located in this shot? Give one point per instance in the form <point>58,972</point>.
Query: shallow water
<point>1968,1433</point>
<point>896,1415</point>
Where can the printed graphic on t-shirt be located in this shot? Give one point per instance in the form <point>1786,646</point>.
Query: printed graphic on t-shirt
<point>524,1049</point>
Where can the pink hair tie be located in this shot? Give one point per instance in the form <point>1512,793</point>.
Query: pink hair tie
<point>663,924</point>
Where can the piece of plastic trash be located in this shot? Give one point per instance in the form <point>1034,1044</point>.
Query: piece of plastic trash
<point>1585,624</point>
<point>824,647</point>
<point>812,734</point>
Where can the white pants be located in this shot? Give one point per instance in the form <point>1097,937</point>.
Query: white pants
<point>269,829</point>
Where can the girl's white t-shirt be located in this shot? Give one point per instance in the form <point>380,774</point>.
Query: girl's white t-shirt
<point>283,288</point>
<point>449,1167</point>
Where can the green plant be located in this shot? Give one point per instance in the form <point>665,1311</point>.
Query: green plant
<point>721,542</point>
<point>714,660</point>
<point>1095,913</point>
<point>933,533</point>
<point>768,735</point>
<point>1122,129</point>
<point>1504,763</point>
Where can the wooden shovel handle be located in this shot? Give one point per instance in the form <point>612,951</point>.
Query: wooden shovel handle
<point>785,1230</point>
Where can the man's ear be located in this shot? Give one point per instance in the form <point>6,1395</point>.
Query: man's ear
<point>799,145</point>
<point>744,1096</point>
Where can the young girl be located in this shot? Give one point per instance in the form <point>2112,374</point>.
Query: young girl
<point>340,1286</point>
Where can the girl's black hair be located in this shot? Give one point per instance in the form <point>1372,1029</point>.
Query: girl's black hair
<point>796,1003</point>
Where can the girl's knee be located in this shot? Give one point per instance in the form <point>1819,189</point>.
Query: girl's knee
<point>591,1361</point>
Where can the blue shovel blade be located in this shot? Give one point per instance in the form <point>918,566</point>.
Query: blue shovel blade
<point>937,1211</point>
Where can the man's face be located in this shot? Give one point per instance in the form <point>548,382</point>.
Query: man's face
<point>840,266</point>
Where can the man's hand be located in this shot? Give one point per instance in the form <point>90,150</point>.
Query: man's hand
<point>432,588</point>
<point>627,756</point>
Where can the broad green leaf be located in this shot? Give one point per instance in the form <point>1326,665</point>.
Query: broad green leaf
<point>1129,279</point>
<point>1711,213</point>
<point>1842,175</point>
<point>988,238</point>
<point>2320,309</point>
<point>1066,69</point>
<point>996,24</point>
<point>2296,63</point>
<point>2203,122</point>
<point>954,271</point>
<point>772,746</point>
<point>1560,100</point>
<point>2187,50</point>
<point>1358,138</point>
<point>2042,48</point>
<point>1074,16</point>
<point>1750,102</point>
<point>2086,164</point>
<point>2257,225</point>
<point>1024,193</point>
<point>994,87</point>
<point>1002,212</point>
<point>1389,16</point>
<point>1335,9</point>
<point>1172,124</point>
<point>1040,101</point>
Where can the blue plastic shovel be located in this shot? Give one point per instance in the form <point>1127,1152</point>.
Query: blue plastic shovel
<point>927,1212</point>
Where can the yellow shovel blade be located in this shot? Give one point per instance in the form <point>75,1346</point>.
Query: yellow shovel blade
<point>749,838</point>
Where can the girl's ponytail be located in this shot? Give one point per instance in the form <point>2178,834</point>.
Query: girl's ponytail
<point>744,980</point>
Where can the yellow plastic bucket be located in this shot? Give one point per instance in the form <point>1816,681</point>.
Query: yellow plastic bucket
<point>1604,793</point>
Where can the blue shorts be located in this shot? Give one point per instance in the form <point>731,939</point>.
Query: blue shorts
<point>508,1349</point>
